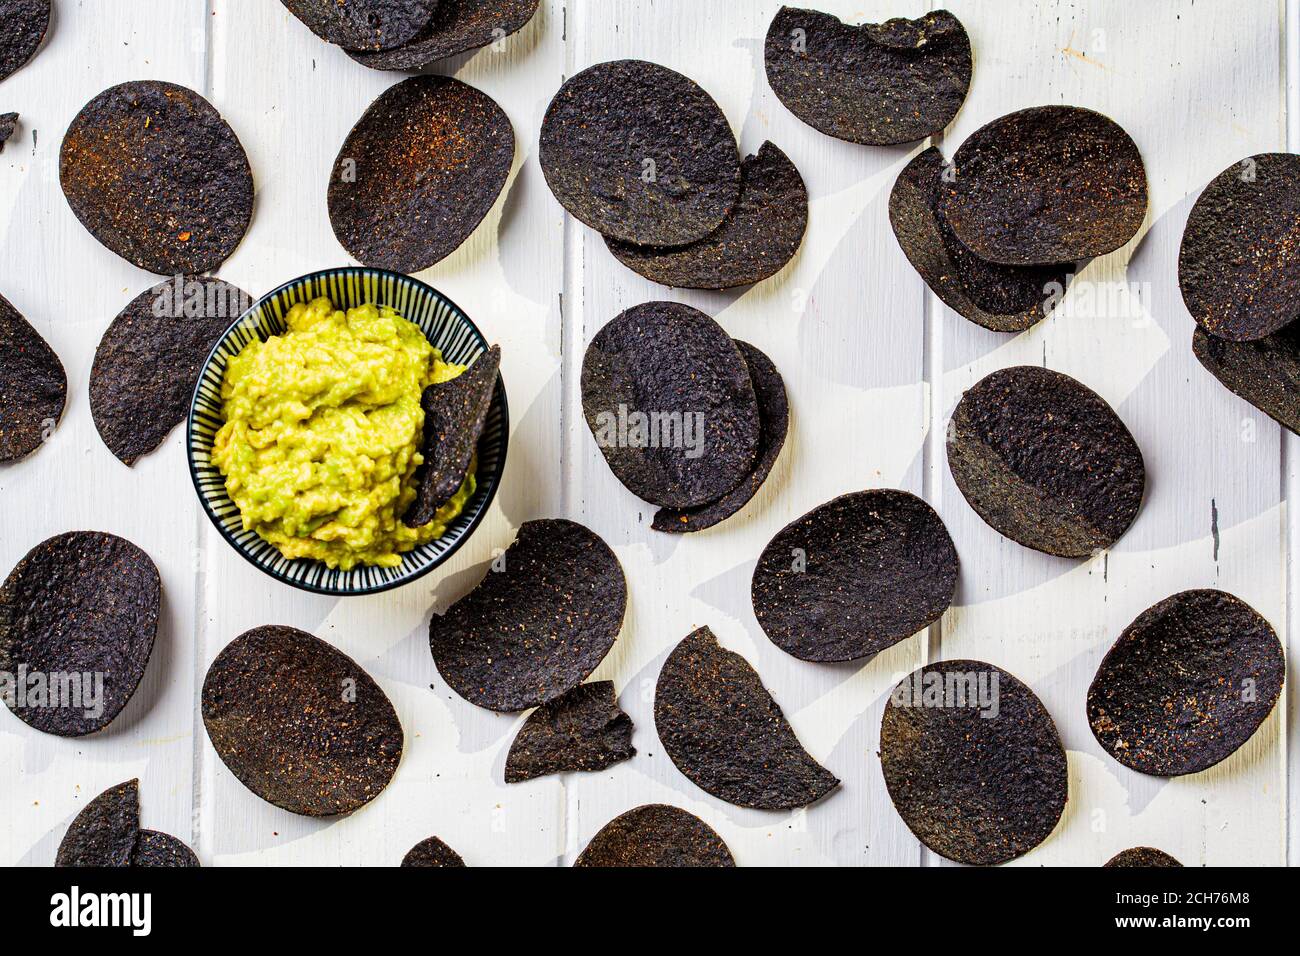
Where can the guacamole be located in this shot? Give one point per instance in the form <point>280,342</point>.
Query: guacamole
<point>323,432</point>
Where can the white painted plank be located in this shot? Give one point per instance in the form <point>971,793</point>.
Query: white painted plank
<point>70,287</point>
<point>1194,105</point>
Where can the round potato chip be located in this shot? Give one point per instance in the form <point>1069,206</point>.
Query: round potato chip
<point>547,613</point>
<point>148,362</point>
<point>23,24</point>
<point>774,423</point>
<point>656,835</point>
<point>1045,461</point>
<point>855,576</point>
<point>1046,185</point>
<point>458,26</point>
<point>762,233</point>
<point>1143,856</point>
<point>584,729</point>
<point>878,83</point>
<point>1186,684</point>
<point>724,731</point>
<point>33,386</point>
<point>106,831</point>
<point>156,849</point>
<point>1236,267</point>
<point>668,397</point>
<point>299,723</point>
<point>156,175</point>
<point>999,298</point>
<point>365,24</point>
<point>1265,372</point>
<point>972,762</point>
<point>432,852</point>
<point>641,154</point>
<point>79,613</point>
<point>407,208</point>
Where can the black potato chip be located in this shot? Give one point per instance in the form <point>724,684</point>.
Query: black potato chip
<point>156,175</point>
<point>668,397</point>
<point>1000,298</point>
<point>23,24</point>
<point>656,835</point>
<point>454,415</point>
<point>106,831</point>
<point>878,83</point>
<point>855,576</point>
<point>458,26</point>
<point>1045,461</point>
<point>365,24</point>
<point>299,723</point>
<point>972,762</point>
<point>156,849</point>
<point>583,730</point>
<point>432,852</point>
<point>419,171</point>
<point>33,386</point>
<point>547,613</point>
<point>1142,856</point>
<point>148,362</point>
<point>774,423</point>
<point>724,731</point>
<point>1186,684</point>
<point>641,154</point>
<point>762,233</point>
<point>1237,266</point>
<point>1265,372</point>
<point>78,617</point>
<point>8,122</point>
<point>1046,185</point>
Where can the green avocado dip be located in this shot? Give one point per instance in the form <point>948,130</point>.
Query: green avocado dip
<point>323,433</point>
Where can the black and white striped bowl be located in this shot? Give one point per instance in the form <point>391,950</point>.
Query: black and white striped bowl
<point>446,326</point>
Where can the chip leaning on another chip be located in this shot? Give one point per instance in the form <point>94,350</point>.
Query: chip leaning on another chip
<point>668,398</point>
<point>1186,684</point>
<point>760,235</point>
<point>1045,461</point>
<point>656,835</point>
<point>78,614</point>
<point>457,26</point>
<point>156,175</point>
<point>1046,185</point>
<point>584,729</point>
<point>546,614</point>
<point>726,734</point>
<point>23,25</point>
<point>999,298</point>
<point>299,723</point>
<point>418,173</point>
<point>364,24</point>
<point>855,576</point>
<point>107,833</point>
<point>877,83</point>
<point>973,762</point>
<point>641,154</point>
<point>148,362</point>
<point>33,386</point>
<point>1237,265</point>
<point>432,852</point>
<point>774,423</point>
<point>1265,372</point>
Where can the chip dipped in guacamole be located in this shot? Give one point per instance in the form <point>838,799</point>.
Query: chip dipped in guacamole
<point>323,433</point>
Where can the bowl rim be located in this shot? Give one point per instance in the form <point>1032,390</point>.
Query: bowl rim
<point>469,530</point>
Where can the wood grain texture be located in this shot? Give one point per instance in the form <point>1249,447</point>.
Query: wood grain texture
<point>873,364</point>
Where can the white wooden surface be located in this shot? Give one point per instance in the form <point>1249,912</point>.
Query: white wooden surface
<point>873,364</point>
